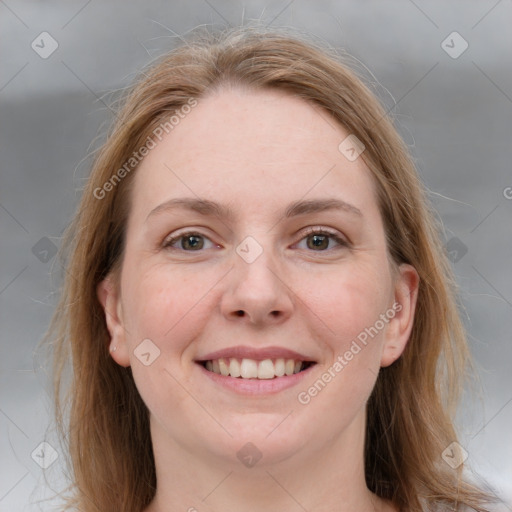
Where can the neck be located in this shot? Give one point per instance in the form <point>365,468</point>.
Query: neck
<point>318,481</point>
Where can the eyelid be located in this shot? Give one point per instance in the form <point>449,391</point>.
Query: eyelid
<point>322,229</point>
<point>173,237</point>
<point>333,234</point>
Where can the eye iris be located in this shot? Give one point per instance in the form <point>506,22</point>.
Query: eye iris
<point>319,241</point>
<point>197,242</point>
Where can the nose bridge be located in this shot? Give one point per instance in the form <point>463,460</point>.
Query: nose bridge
<point>256,283</point>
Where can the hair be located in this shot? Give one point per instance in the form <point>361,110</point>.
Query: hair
<point>410,413</point>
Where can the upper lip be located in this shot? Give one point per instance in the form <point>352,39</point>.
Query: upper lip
<point>258,354</point>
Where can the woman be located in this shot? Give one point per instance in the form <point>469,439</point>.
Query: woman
<point>258,308</point>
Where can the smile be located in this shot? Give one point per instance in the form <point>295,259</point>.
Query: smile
<point>253,369</point>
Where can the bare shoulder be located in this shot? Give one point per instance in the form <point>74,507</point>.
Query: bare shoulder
<point>494,507</point>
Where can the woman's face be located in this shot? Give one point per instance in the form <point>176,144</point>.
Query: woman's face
<point>285,259</point>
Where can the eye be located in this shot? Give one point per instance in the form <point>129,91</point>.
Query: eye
<point>190,241</point>
<point>318,239</point>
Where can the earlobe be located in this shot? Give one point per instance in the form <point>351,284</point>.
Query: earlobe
<point>400,326</point>
<point>110,301</point>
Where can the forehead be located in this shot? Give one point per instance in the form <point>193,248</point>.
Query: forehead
<point>255,150</point>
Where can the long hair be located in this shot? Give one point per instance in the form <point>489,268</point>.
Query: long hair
<point>411,410</point>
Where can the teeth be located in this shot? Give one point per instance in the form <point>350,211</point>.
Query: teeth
<point>234,368</point>
<point>266,369</point>
<point>279,367</point>
<point>223,367</point>
<point>288,367</point>
<point>249,369</point>
<point>252,369</point>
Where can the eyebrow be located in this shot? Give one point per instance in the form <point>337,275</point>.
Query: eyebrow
<point>207,207</point>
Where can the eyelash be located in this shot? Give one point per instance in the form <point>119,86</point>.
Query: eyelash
<point>309,231</point>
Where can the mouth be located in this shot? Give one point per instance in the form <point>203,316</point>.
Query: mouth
<point>247,369</point>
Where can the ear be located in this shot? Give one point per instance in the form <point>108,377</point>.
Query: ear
<point>400,326</point>
<point>109,298</point>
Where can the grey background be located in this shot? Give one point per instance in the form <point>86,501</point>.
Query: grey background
<point>454,113</point>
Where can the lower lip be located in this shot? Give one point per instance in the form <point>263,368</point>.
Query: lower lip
<point>257,386</point>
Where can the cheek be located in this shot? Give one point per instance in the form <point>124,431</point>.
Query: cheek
<point>163,304</point>
<point>350,306</point>
<point>348,302</point>
<point>170,309</point>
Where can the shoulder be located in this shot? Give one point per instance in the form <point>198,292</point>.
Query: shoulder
<point>493,507</point>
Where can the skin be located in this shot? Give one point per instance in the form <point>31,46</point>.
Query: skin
<point>256,152</point>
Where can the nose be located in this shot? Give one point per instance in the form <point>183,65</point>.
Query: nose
<point>257,292</point>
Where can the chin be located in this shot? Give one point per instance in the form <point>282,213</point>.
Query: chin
<point>254,443</point>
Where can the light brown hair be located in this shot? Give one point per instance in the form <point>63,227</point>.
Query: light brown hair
<point>410,412</point>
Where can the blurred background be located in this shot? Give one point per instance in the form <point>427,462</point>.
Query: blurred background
<point>442,69</point>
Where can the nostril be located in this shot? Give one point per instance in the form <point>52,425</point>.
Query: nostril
<point>240,313</point>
